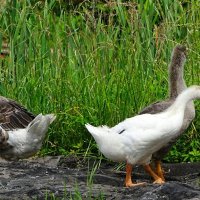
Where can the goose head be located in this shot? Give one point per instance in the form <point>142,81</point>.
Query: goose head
<point>179,54</point>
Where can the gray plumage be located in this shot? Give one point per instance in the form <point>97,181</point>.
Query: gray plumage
<point>176,86</point>
<point>13,115</point>
<point>21,133</point>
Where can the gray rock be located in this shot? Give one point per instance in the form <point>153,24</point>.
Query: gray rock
<point>49,177</point>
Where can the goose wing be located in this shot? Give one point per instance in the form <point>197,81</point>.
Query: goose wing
<point>143,135</point>
<point>157,107</point>
<point>13,115</point>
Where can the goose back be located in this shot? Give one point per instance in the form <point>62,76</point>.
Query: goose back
<point>13,115</point>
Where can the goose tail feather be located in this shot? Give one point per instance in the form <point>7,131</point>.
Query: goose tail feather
<point>40,124</point>
<point>98,132</point>
<point>93,130</point>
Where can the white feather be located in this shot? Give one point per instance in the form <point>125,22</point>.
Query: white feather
<point>26,142</point>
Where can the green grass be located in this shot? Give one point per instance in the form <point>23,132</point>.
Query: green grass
<point>76,193</point>
<point>96,63</point>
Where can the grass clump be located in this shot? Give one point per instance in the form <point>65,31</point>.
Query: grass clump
<point>96,62</point>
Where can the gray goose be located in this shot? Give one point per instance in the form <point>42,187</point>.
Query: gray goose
<point>176,86</point>
<point>21,132</point>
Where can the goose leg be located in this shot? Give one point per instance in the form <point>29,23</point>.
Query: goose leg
<point>128,180</point>
<point>156,178</point>
<point>159,169</point>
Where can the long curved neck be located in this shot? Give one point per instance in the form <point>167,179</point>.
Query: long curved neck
<point>176,80</point>
<point>186,96</point>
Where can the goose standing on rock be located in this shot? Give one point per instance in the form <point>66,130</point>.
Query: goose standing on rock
<point>21,132</point>
<point>135,139</point>
<point>176,86</point>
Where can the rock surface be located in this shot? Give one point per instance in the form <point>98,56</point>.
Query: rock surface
<point>72,178</point>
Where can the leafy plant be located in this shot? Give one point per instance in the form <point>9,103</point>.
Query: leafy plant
<point>98,63</point>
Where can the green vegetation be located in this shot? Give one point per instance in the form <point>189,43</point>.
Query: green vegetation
<point>98,63</point>
<point>77,194</point>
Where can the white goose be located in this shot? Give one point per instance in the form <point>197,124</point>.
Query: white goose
<point>135,139</point>
<point>21,133</point>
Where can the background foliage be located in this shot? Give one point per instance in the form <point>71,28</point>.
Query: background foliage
<point>98,62</point>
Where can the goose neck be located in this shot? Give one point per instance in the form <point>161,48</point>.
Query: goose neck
<point>186,96</point>
<point>176,77</point>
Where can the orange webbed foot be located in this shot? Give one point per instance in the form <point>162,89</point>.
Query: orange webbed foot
<point>128,180</point>
<point>159,181</point>
<point>135,184</point>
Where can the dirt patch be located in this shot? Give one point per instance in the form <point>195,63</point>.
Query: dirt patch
<point>44,178</point>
